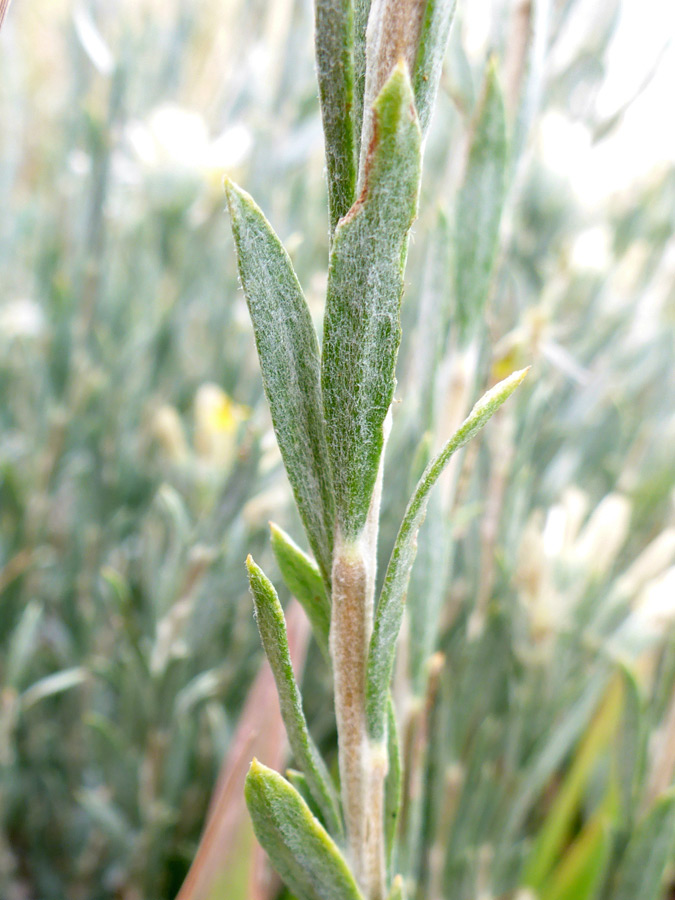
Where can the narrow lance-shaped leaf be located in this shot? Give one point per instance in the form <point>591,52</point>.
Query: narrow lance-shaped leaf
<point>579,874</point>
<point>629,747</point>
<point>303,579</point>
<point>642,871</point>
<point>393,785</point>
<point>558,825</point>
<point>54,684</point>
<point>433,42</point>
<point>362,331</point>
<point>334,35</point>
<point>392,37</point>
<point>390,606</point>
<point>361,13</point>
<point>272,627</point>
<point>289,358</point>
<point>479,206</point>
<point>300,849</point>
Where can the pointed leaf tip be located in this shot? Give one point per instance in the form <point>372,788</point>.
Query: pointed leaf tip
<point>272,628</point>
<point>288,350</point>
<point>389,611</point>
<point>362,328</point>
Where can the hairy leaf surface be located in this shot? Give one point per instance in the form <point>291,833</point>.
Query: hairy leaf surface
<point>390,606</point>
<point>334,37</point>
<point>362,331</point>
<point>272,627</point>
<point>301,850</point>
<point>289,358</point>
<point>433,42</point>
<point>303,579</point>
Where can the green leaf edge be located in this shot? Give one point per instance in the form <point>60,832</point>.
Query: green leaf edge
<point>272,628</point>
<point>303,579</point>
<point>354,469</point>
<point>300,848</point>
<point>312,487</point>
<point>390,606</point>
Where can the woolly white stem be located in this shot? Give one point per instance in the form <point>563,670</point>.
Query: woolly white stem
<point>362,772</point>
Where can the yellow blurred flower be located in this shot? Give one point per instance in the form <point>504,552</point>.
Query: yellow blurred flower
<point>217,417</point>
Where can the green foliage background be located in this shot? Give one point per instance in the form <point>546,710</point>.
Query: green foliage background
<point>130,495</point>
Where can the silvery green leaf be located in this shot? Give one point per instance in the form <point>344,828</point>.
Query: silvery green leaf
<point>289,358</point>
<point>479,206</point>
<point>393,785</point>
<point>272,627</point>
<point>334,35</point>
<point>303,579</point>
<point>299,782</point>
<point>555,747</point>
<point>642,870</point>
<point>23,644</point>
<point>431,333</point>
<point>54,684</point>
<point>361,13</point>
<point>302,852</point>
<point>392,598</point>
<point>362,331</point>
<point>433,42</point>
<point>427,592</point>
<point>630,744</point>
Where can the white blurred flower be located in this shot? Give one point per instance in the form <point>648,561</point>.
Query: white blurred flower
<point>649,565</point>
<point>655,608</point>
<point>179,156</point>
<point>22,318</point>
<point>534,579</point>
<point>650,621</point>
<point>592,249</point>
<point>558,558</point>
<point>603,535</point>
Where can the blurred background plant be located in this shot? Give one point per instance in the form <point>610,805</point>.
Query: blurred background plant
<point>138,466</point>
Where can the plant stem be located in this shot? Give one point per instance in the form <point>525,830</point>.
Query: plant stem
<point>363,767</point>
<point>351,622</point>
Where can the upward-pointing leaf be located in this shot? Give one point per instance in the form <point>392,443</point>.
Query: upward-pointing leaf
<point>390,606</point>
<point>334,36</point>
<point>303,579</point>
<point>361,13</point>
<point>480,204</point>
<point>289,359</point>
<point>642,870</point>
<point>365,284</point>
<point>296,842</point>
<point>433,42</point>
<point>272,627</point>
